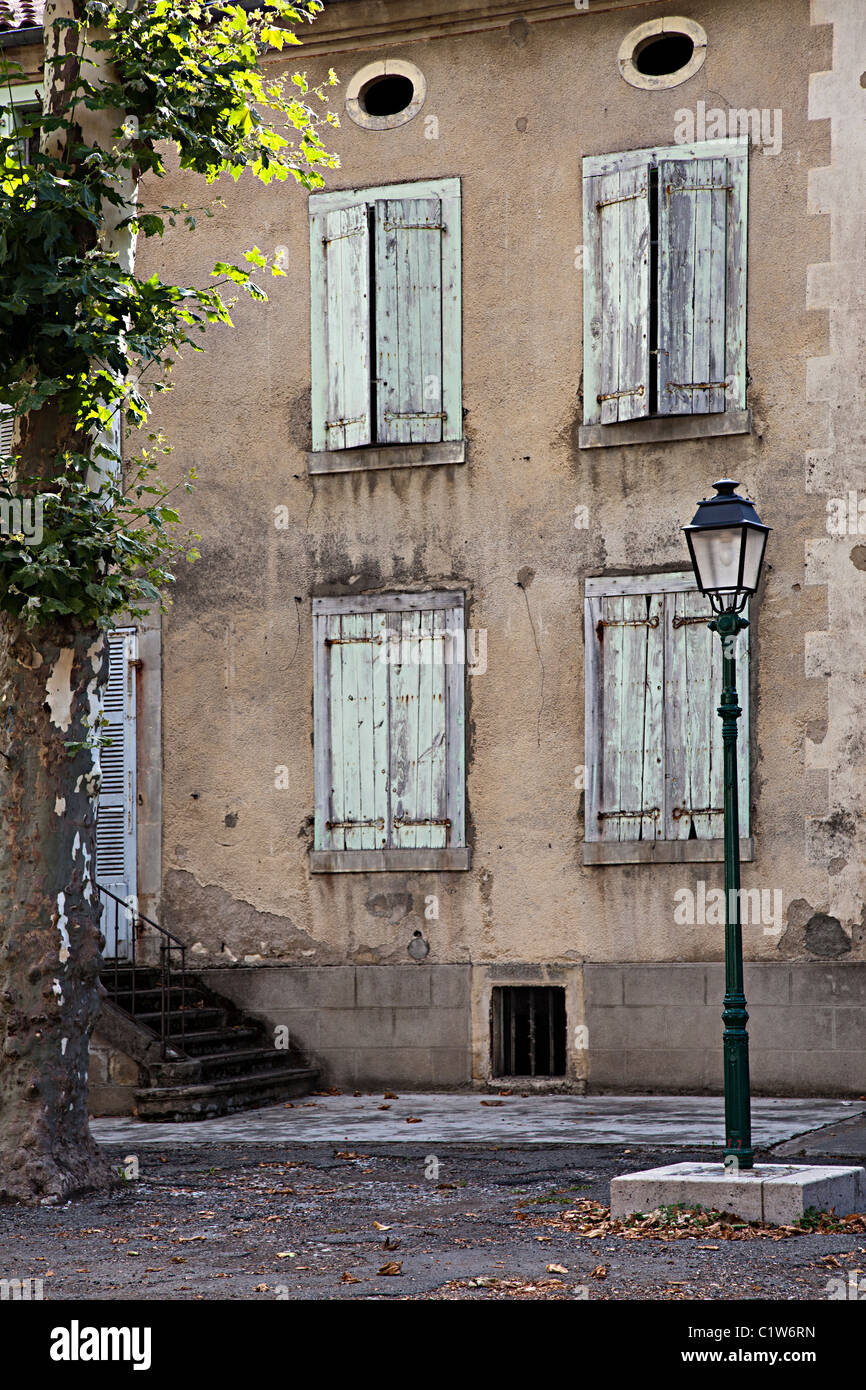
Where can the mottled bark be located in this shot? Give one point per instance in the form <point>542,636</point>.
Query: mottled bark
<point>49,934</point>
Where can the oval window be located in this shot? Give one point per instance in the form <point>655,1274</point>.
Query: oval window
<point>662,53</point>
<point>386,94</point>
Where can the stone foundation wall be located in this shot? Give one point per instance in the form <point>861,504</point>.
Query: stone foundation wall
<point>114,1077</point>
<point>658,1027</point>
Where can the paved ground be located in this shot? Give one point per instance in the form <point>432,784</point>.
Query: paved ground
<point>312,1222</point>
<point>436,1197</point>
<point>490,1119</point>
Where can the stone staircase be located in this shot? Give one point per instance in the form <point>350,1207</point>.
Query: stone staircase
<point>223,1060</point>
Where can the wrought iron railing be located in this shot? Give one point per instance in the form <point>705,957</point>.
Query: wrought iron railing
<point>117,911</point>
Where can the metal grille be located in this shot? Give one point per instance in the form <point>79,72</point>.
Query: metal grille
<point>527,1030</point>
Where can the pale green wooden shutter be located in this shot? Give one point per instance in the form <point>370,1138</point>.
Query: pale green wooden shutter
<point>625,655</point>
<point>340,328</point>
<point>694,798</point>
<point>7,426</point>
<point>388,689</point>
<point>356,799</point>
<point>616,233</point>
<point>409,382</point>
<point>702,284</point>
<point>419,793</point>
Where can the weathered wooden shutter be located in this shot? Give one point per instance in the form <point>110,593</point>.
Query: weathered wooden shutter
<point>694,794</point>
<point>116,812</point>
<point>625,655</point>
<point>355,811</point>
<point>419,742</point>
<point>409,377</point>
<point>7,426</point>
<point>340,327</point>
<point>388,689</point>
<point>616,233</point>
<point>702,284</point>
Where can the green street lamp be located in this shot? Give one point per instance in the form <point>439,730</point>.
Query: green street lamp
<point>726,543</point>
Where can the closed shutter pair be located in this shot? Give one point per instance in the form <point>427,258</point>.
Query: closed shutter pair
<point>389,721</point>
<point>654,743</point>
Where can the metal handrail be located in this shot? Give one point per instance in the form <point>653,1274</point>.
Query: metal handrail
<point>168,943</point>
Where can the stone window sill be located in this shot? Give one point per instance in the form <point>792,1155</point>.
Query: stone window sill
<point>386,456</point>
<point>362,861</point>
<point>662,851</point>
<point>662,429</point>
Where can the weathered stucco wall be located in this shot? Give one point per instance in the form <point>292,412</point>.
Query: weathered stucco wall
<point>516,107</point>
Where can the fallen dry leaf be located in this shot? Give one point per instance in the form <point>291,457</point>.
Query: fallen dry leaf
<point>377,1226</point>
<point>347,1278</point>
<point>390,1095</point>
<point>493,1102</point>
<point>383,1107</point>
<point>557,1269</point>
<point>600,1272</point>
<point>392,1267</point>
<point>413,1119</point>
<point>286,1254</point>
<point>391,1243</point>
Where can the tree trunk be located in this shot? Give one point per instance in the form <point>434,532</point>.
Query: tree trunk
<point>49,910</point>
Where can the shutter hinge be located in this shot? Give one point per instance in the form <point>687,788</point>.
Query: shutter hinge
<point>680,621</point>
<point>354,824</point>
<point>338,424</point>
<point>415,415</point>
<point>653,812</point>
<point>627,622</point>
<point>679,811</point>
<point>615,395</point>
<point>404,821</point>
<point>626,198</point>
<point>356,231</point>
<point>696,385</point>
<point>415,227</point>
<point>697,187</point>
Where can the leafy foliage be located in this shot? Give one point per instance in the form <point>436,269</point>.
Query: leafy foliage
<point>80,333</point>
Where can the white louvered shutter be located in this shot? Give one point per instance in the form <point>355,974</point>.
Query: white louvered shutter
<point>116,819</point>
<point>7,425</point>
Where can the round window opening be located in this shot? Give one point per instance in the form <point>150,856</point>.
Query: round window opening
<point>662,53</point>
<point>387,96</point>
<point>664,56</point>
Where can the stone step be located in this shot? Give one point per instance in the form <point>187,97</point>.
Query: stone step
<point>201,1102</point>
<point>220,1066</point>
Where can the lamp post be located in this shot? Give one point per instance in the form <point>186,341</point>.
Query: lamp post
<point>726,541</point>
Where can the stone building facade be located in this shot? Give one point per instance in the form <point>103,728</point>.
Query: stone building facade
<point>550,872</point>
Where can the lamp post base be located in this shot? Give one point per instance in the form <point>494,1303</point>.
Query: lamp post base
<point>774,1193</point>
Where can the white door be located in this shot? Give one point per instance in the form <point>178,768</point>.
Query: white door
<point>116,819</point>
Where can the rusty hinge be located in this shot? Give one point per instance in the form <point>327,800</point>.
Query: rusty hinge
<point>653,812</point>
<point>697,187</point>
<point>680,621</point>
<point>347,641</point>
<point>415,227</point>
<point>402,820</point>
<point>338,424</point>
<point>626,198</point>
<point>615,395</point>
<point>624,622</point>
<point>356,231</point>
<point>695,385</point>
<point>679,811</point>
<point>415,415</point>
<point>355,824</point>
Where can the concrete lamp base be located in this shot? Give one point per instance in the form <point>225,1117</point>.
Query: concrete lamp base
<point>776,1194</point>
